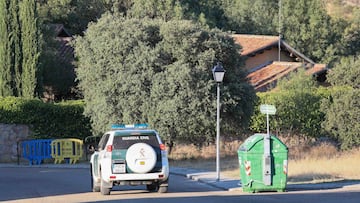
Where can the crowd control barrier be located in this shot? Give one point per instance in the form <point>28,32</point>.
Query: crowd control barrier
<point>66,149</point>
<point>36,150</point>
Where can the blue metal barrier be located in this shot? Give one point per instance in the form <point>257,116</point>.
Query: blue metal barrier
<point>36,150</point>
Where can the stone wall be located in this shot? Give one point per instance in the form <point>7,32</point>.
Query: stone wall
<point>10,136</point>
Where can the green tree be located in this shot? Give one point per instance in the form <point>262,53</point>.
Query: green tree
<point>251,16</point>
<point>298,107</point>
<point>350,38</point>
<point>342,117</point>
<point>161,75</point>
<point>19,48</point>
<point>342,107</point>
<point>307,27</point>
<point>210,10</point>
<point>5,50</point>
<point>16,49</point>
<point>31,80</point>
<point>346,72</point>
<point>76,14</point>
<point>166,10</point>
<point>297,81</point>
<point>207,12</point>
<point>12,49</point>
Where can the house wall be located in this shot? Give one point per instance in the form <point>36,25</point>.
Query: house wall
<point>265,57</point>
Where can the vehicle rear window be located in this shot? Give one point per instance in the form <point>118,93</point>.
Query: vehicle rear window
<point>124,142</point>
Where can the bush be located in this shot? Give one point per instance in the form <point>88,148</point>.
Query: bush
<point>297,113</point>
<point>46,120</point>
<point>342,116</point>
<point>297,99</point>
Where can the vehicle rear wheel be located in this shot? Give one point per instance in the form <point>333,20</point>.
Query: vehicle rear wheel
<point>152,188</point>
<point>103,189</point>
<point>163,189</point>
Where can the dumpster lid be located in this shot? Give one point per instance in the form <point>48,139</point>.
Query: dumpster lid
<point>251,141</point>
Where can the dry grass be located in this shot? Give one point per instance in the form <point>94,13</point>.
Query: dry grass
<point>342,165</point>
<point>308,162</point>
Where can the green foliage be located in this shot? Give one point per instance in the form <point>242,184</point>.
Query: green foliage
<point>251,16</point>
<point>30,74</point>
<point>298,107</point>
<point>166,10</point>
<point>61,120</point>
<point>298,113</point>
<point>351,40</point>
<point>15,47</point>
<point>143,70</point>
<point>342,107</point>
<point>342,110</point>
<point>307,27</point>
<point>297,81</point>
<point>5,51</point>
<point>19,49</point>
<point>76,14</point>
<point>209,12</point>
<point>346,72</point>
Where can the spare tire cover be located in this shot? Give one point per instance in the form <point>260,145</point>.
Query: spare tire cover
<point>140,158</point>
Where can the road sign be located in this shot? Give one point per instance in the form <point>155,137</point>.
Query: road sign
<point>267,109</point>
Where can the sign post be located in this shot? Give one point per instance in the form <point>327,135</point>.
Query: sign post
<point>268,110</point>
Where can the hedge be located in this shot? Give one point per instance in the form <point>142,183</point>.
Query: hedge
<point>46,120</point>
<point>298,113</point>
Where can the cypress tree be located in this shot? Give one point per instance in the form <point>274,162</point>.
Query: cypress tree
<point>5,50</point>
<point>15,40</point>
<point>30,48</point>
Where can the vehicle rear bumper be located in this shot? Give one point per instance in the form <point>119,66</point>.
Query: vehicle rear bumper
<point>138,179</point>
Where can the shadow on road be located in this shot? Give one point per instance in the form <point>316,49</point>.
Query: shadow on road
<point>326,197</point>
<point>322,185</point>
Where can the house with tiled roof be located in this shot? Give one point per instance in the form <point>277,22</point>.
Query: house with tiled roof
<point>64,62</point>
<point>269,59</point>
<point>63,36</point>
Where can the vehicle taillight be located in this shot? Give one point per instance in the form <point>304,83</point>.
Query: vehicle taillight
<point>162,147</point>
<point>109,148</point>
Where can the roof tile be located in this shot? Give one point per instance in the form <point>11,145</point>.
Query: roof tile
<point>253,43</point>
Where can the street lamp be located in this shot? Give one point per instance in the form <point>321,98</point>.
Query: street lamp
<point>218,74</point>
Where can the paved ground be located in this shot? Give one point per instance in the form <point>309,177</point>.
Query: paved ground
<point>208,177</point>
<point>232,184</point>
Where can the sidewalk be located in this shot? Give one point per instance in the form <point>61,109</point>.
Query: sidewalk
<point>231,184</point>
<point>209,177</point>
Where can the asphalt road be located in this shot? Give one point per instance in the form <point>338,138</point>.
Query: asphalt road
<point>73,185</point>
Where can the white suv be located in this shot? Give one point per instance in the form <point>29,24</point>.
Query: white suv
<point>130,155</point>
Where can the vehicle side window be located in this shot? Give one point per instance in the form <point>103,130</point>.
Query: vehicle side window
<point>103,141</point>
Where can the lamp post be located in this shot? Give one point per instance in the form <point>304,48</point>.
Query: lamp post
<point>218,74</point>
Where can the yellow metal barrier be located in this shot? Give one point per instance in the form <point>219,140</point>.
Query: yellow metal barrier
<point>71,149</point>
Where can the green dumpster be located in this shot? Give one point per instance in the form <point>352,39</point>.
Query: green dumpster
<point>259,171</point>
